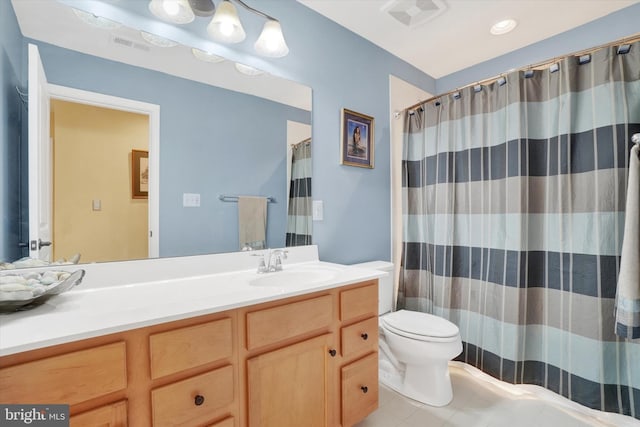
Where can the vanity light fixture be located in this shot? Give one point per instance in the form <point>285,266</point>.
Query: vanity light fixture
<point>96,21</point>
<point>176,11</point>
<point>157,40</point>
<point>503,27</point>
<point>226,27</point>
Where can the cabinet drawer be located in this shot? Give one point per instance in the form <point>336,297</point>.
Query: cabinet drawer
<point>113,415</point>
<point>68,378</point>
<point>359,302</point>
<point>275,324</point>
<point>359,389</point>
<point>179,403</point>
<point>184,348</point>
<point>227,422</point>
<point>359,338</point>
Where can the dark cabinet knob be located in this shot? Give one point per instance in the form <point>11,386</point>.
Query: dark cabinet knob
<point>333,352</point>
<point>199,400</point>
<point>365,336</point>
<point>364,388</point>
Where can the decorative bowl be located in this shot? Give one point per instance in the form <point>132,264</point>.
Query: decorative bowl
<point>24,291</point>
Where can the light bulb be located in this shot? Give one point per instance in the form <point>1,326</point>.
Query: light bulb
<point>174,11</point>
<point>225,25</point>
<point>226,28</point>
<point>171,7</point>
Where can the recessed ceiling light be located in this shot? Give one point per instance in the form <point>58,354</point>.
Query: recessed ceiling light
<point>157,40</point>
<point>503,27</point>
<point>206,56</point>
<point>247,70</point>
<point>96,21</point>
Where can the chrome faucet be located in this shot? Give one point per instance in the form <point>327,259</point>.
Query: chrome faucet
<point>272,261</point>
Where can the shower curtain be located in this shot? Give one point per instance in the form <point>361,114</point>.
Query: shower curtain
<point>299,216</point>
<point>513,213</point>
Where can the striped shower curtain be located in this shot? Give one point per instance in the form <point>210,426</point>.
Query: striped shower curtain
<point>299,218</point>
<point>513,212</point>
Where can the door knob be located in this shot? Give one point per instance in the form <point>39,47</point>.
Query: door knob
<point>199,400</point>
<point>333,352</point>
<point>365,336</point>
<point>364,389</point>
<point>39,244</point>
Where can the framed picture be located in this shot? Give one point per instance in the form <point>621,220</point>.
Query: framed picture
<point>140,174</point>
<point>357,140</point>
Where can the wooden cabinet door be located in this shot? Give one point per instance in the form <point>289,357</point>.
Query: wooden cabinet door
<point>288,387</point>
<point>113,415</point>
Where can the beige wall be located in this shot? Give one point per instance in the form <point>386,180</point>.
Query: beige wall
<point>92,161</point>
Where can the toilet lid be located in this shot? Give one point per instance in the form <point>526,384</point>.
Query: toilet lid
<point>417,324</point>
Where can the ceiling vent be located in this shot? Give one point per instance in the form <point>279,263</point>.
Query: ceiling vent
<point>124,42</point>
<point>413,13</point>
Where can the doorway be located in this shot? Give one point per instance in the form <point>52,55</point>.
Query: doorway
<point>108,110</point>
<point>94,212</point>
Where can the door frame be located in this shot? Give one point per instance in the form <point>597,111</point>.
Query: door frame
<point>79,96</point>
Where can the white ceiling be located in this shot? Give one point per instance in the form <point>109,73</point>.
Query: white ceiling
<point>459,37</point>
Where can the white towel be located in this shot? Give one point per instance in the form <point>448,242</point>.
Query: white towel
<point>628,291</point>
<point>252,222</point>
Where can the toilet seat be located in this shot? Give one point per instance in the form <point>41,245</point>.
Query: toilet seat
<point>420,326</point>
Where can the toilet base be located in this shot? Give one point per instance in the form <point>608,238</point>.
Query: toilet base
<point>430,384</point>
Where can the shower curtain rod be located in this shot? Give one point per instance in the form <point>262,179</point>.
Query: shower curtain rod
<point>539,65</point>
<point>304,141</point>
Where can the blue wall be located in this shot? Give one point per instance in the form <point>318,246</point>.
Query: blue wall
<point>11,148</point>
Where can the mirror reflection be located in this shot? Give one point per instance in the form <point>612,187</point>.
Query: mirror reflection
<point>222,135</point>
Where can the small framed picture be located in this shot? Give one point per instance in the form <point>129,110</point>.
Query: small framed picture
<point>140,174</point>
<point>357,142</point>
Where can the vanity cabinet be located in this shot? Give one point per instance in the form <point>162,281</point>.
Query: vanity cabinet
<point>309,360</point>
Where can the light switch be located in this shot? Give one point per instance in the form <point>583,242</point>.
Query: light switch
<point>191,200</point>
<point>96,204</point>
<point>318,210</point>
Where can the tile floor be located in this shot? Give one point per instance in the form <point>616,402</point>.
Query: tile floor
<point>480,401</point>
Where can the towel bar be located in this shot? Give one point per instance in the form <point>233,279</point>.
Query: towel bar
<point>226,198</point>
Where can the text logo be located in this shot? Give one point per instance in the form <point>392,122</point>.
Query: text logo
<point>34,415</point>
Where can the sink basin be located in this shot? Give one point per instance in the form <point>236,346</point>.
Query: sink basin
<point>305,275</point>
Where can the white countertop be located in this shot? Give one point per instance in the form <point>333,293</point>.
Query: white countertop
<point>99,310</point>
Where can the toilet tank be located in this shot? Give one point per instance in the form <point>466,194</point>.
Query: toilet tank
<point>385,286</point>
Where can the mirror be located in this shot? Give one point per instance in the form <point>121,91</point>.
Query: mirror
<point>221,132</point>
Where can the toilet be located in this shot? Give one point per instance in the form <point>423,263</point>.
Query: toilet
<point>415,348</point>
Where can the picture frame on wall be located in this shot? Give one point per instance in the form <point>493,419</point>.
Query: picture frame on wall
<point>140,174</point>
<point>357,139</point>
